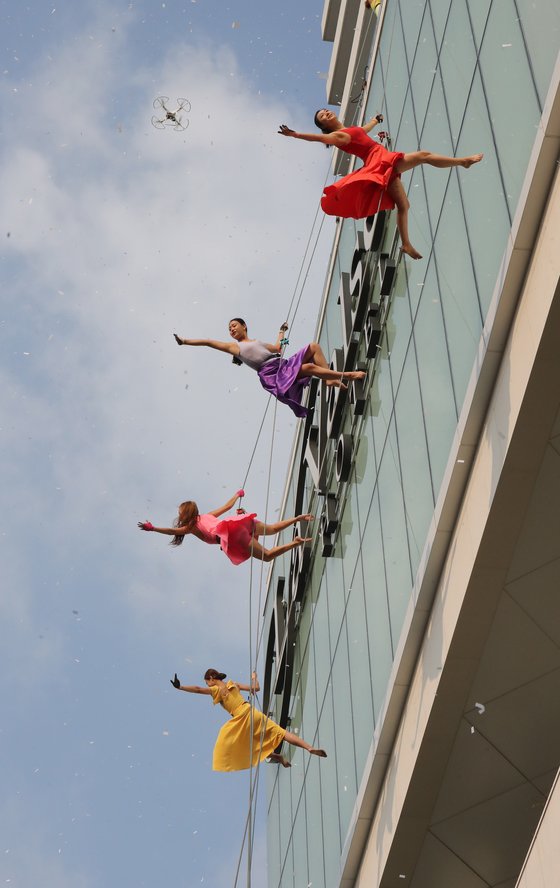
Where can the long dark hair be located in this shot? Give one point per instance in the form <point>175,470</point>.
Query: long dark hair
<point>187,517</point>
<point>316,122</point>
<point>213,673</point>
<point>236,359</point>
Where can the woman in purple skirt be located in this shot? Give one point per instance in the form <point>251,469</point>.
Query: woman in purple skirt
<point>285,378</point>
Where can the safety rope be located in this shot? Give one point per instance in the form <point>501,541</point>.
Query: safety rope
<point>254,771</point>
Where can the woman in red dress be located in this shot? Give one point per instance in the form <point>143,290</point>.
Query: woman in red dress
<point>376,185</point>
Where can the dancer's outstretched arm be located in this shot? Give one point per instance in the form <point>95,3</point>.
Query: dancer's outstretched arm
<point>337,138</point>
<point>169,531</point>
<point>191,689</point>
<point>229,505</point>
<point>277,346</point>
<point>231,348</point>
<point>375,121</point>
<point>253,688</point>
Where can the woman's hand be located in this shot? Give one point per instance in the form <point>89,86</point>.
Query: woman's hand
<point>286,131</point>
<point>305,517</point>
<point>240,493</point>
<point>178,339</point>
<point>175,682</point>
<point>379,118</point>
<point>145,525</point>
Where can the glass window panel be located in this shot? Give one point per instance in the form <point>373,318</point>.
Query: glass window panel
<point>415,467</point>
<point>420,230</point>
<point>436,137</point>
<point>321,643</point>
<point>308,692</point>
<point>273,842</point>
<point>329,791</point>
<point>395,540</point>
<point>440,12</point>
<point>349,533</point>
<point>316,579</point>
<point>296,711</point>
<point>413,13</point>
<point>365,467</point>
<point>344,731</point>
<point>347,242</point>
<point>336,594</point>
<point>423,72</point>
<point>458,291</point>
<point>504,62</point>
<point>332,320</point>
<point>376,97</point>
<point>395,69</point>
<point>359,670</point>
<point>478,14</point>
<point>285,819</point>
<point>377,605</point>
<point>399,322</point>
<point>540,20</point>
<point>299,841</point>
<point>290,498</point>
<point>381,398</point>
<point>486,212</point>
<point>406,138</point>
<point>435,378</point>
<point>314,806</point>
<point>306,617</point>
<point>457,67</point>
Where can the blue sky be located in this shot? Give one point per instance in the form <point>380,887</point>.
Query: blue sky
<point>115,235</point>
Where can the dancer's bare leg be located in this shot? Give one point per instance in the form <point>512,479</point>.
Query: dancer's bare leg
<point>415,158</point>
<point>261,529</point>
<point>299,741</point>
<point>262,554</point>
<point>397,192</point>
<point>315,355</point>
<point>328,374</point>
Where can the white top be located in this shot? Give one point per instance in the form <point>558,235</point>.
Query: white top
<point>254,353</point>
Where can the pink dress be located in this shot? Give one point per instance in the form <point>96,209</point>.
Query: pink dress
<point>363,192</point>
<point>234,534</point>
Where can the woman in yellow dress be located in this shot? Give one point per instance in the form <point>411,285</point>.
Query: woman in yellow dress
<point>233,748</point>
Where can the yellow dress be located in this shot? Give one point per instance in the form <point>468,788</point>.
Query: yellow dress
<point>232,751</point>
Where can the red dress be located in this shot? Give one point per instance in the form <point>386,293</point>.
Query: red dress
<point>363,192</point>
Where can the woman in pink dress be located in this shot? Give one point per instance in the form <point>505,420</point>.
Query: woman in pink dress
<point>237,535</point>
<point>376,185</point>
<point>285,378</point>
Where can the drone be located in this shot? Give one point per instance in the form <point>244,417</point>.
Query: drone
<point>172,119</point>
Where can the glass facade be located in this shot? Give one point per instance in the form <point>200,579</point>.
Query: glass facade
<point>454,77</point>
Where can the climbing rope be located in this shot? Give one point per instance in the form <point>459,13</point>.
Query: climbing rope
<point>293,308</point>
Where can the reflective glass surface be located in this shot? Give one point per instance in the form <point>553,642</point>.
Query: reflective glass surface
<point>451,77</point>
<point>413,458</point>
<point>538,18</point>
<point>504,64</point>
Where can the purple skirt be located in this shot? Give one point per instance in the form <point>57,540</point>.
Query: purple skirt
<point>279,377</point>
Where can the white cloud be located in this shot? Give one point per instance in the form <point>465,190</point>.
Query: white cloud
<point>120,234</point>
<point>117,238</point>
